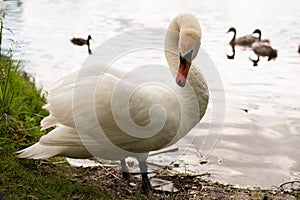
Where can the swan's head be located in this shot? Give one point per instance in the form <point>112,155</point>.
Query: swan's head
<point>258,32</point>
<point>89,37</point>
<point>189,44</point>
<point>231,30</point>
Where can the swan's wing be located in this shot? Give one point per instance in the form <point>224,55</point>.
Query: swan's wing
<point>60,98</point>
<point>134,117</point>
<point>60,141</point>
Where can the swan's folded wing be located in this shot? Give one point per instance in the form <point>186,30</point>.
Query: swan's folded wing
<point>62,141</point>
<point>61,96</point>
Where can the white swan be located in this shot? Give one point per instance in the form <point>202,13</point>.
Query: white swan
<point>65,139</point>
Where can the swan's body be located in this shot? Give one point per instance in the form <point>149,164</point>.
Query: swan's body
<point>245,41</point>
<point>64,139</point>
<point>81,42</point>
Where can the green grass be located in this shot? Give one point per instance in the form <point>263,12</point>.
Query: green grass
<point>20,113</point>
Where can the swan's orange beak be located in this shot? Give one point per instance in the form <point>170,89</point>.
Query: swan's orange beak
<point>183,71</point>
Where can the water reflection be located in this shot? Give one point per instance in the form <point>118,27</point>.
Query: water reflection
<point>233,53</point>
<point>255,62</point>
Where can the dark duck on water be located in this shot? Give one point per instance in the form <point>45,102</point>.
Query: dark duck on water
<point>81,42</point>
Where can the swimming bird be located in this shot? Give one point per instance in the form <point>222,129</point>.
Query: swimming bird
<point>81,42</point>
<point>263,48</point>
<point>75,135</point>
<point>245,41</point>
<point>299,49</point>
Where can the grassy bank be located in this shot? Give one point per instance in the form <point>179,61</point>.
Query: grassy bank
<point>20,113</point>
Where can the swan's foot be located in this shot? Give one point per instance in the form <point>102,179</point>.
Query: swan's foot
<point>146,185</point>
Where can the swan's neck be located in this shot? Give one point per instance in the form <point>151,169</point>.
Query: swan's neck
<point>259,36</point>
<point>183,27</point>
<point>232,42</point>
<point>178,26</point>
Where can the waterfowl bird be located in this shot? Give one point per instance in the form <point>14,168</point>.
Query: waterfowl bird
<point>77,133</point>
<point>245,41</point>
<point>263,48</point>
<point>81,42</point>
<point>299,49</point>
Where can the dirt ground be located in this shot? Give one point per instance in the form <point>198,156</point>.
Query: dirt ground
<point>189,186</point>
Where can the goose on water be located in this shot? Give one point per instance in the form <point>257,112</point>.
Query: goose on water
<point>245,41</point>
<point>264,49</point>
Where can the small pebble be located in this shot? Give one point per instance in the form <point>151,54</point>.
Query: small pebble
<point>132,184</point>
<point>202,162</point>
<point>176,165</point>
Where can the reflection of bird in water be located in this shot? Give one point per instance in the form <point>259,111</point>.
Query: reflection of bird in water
<point>112,141</point>
<point>263,48</point>
<point>233,53</point>
<point>255,62</point>
<point>81,42</point>
<point>245,41</point>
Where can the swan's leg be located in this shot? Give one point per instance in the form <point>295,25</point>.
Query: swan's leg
<point>146,185</point>
<point>125,173</point>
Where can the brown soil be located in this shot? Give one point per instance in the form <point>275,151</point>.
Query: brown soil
<point>110,181</point>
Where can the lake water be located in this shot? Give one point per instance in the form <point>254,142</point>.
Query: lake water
<point>259,142</point>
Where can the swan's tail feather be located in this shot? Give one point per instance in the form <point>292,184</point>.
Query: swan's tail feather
<point>38,151</point>
<point>48,122</point>
<point>61,141</point>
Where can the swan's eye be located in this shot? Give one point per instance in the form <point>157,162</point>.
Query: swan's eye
<point>182,61</point>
